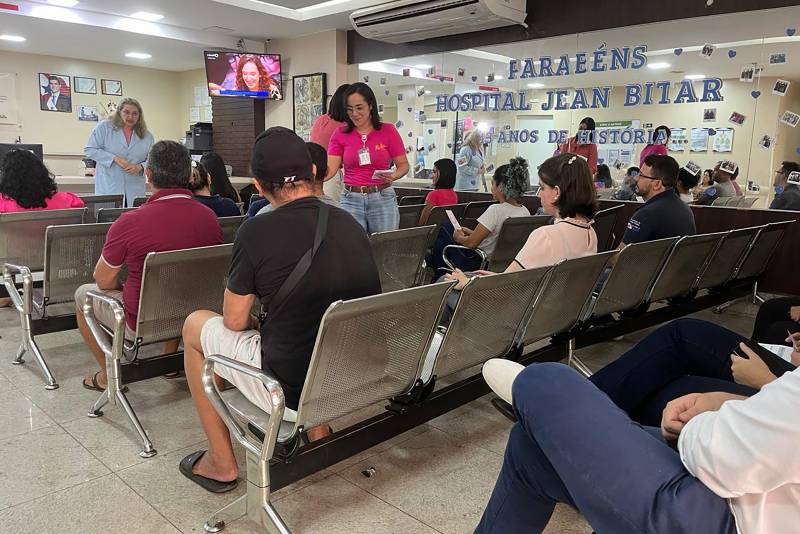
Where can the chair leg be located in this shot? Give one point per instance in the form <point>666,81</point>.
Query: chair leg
<point>575,362</point>
<point>148,450</point>
<point>29,344</point>
<point>97,407</point>
<point>232,511</point>
<point>276,519</point>
<point>19,360</point>
<point>757,299</point>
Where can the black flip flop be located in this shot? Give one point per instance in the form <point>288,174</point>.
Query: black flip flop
<point>94,386</point>
<point>214,486</point>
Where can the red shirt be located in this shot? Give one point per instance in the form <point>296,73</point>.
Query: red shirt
<point>587,152</point>
<point>322,130</point>
<point>170,220</point>
<point>442,197</point>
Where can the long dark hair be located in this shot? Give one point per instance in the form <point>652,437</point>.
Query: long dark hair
<point>571,174</point>
<point>447,173</point>
<point>25,179</point>
<point>365,91</point>
<point>338,107</point>
<point>220,184</point>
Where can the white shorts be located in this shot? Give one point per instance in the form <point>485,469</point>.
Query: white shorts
<point>244,347</point>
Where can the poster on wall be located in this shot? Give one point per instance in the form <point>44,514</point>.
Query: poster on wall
<point>85,85</point>
<point>55,93</point>
<point>617,154</point>
<point>88,113</point>
<point>309,101</point>
<point>723,140</point>
<point>111,87</point>
<point>8,98</point>
<point>677,141</point>
<point>699,140</point>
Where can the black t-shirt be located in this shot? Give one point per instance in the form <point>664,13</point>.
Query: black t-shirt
<point>265,252</point>
<point>222,206</point>
<point>665,215</point>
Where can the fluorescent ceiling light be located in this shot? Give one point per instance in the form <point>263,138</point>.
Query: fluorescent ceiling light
<point>138,26</point>
<point>149,17</point>
<point>658,65</point>
<point>138,55</point>
<point>536,85</point>
<point>13,38</point>
<point>59,14</point>
<point>64,3</point>
<point>695,76</point>
<point>497,77</point>
<point>422,66</point>
<point>480,54</point>
<point>427,91</point>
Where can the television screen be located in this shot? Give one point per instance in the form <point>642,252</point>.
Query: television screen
<point>244,75</point>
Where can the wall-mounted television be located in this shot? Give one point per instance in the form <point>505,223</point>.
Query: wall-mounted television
<point>244,75</point>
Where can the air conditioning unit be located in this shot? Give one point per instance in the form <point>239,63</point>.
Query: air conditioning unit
<point>413,20</point>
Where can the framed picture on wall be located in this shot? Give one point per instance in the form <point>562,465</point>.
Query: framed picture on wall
<point>111,87</point>
<point>309,101</point>
<point>87,113</point>
<point>85,85</point>
<point>55,93</point>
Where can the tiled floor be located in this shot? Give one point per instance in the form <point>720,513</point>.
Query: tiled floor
<point>64,472</point>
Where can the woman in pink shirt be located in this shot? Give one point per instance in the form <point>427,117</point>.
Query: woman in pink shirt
<point>661,137</point>
<point>444,180</point>
<point>367,148</point>
<point>322,130</point>
<point>27,185</point>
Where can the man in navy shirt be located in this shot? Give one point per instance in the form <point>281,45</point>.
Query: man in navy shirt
<point>663,214</point>
<point>787,187</point>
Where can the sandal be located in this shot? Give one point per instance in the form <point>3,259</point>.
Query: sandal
<point>173,375</point>
<point>94,386</point>
<point>215,486</point>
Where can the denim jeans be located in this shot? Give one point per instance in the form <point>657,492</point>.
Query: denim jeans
<point>682,357</point>
<point>572,445</point>
<point>466,260</point>
<point>375,212</point>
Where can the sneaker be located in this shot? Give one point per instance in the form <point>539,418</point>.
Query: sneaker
<point>500,375</point>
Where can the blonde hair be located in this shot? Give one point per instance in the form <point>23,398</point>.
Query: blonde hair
<point>116,119</point>
<point>473,139</point>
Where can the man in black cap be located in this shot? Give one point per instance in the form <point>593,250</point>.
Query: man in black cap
<point>271,263</point>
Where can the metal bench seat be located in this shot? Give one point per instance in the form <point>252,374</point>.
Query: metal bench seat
<point>229,226</point>
<point>399,255</point>
<point>93,203</point>
<point>368,350</point>
<point>174,284</point>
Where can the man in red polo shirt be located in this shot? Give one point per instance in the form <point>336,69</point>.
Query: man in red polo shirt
<point>170,220</point>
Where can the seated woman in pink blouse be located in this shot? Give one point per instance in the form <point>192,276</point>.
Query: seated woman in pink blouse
<point>567,193</point>
<point>27,185</point>
<point>444,180</point>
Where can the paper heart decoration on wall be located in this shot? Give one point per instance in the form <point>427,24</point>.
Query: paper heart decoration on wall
<point>410,134</point>
<point>449,145</point>
<point>366,79</point>
<point>399,124</point>
<point>474,78</point>
<point>430,131</point>
<point>790,31</point>
<point>731,54</point>
<point>755,94</point>
<point>712,131</point>
<point>410,109</point>
<point>678,51</point>
<point>386,92</point>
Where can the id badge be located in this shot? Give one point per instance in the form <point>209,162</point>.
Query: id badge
<point>363,156</point>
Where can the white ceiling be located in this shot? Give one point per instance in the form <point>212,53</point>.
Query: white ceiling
<point>100,30</point>
<point>752,35</point>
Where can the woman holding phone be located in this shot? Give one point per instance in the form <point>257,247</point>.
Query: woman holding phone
<point>367,148</point>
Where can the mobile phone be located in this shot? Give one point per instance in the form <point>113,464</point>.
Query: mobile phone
<point>453,219</point>
<point>775,363</point>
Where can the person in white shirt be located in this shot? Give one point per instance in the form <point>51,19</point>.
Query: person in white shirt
<point>736,469</point>
<point>509,183</point>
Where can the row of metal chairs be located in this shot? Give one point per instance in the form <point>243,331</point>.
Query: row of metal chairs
<point>55,246</point>
<point>108,208</point>
<point>739,201</point>
<point>398,353</point>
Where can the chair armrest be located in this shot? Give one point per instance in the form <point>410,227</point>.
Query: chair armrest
<point>115,349</point>
<point>276,396</point>
<point>478,251</point>
<point>22,302</point>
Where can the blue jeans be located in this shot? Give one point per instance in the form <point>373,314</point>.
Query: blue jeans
<point>465,260</point>
<point>572,445</point>
<point>375,212</point>
<point>682,357</point>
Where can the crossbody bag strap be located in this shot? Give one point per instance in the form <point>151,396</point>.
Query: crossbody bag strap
<point>302,266</point>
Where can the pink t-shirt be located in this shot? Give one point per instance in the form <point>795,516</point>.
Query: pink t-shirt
<point>322,130</point>
<point>442,197</point>
<point>58,201</point>
<point>566,239</point>
<point>384,145</point>
<point>658,150</point>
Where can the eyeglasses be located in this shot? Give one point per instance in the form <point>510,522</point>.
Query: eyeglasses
<point>641,175</point>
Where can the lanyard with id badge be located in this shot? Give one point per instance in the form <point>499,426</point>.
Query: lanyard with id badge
<point>363,153</point>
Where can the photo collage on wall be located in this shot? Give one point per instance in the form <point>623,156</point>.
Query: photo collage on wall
<point>56,93</point>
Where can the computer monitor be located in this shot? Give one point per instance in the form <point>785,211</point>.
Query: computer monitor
<point>5,148</point>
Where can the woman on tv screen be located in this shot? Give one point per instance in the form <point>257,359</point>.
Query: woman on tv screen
<point>247,76</point>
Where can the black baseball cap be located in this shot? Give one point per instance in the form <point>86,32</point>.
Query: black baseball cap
<point>280,156</point>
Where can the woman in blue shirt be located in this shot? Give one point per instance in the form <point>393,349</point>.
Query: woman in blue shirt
<point>119,146</point>
<point>469,162</point>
